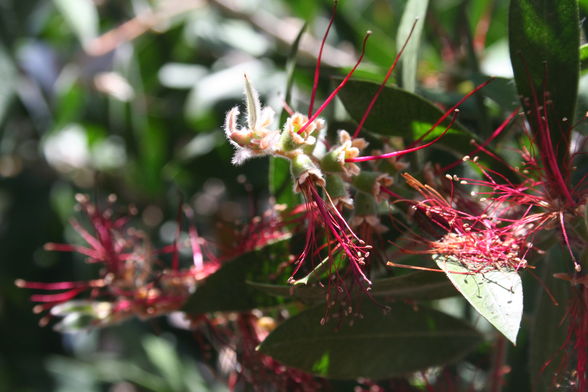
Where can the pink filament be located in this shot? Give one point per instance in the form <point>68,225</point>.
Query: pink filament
<point>388,74</point>
<point>317,69</point>
<point>339,87</point>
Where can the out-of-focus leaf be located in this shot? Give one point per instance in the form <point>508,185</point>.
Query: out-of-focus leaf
<point>81,16</point>
<point>163,355</point>
<point>496,295</point>
<point>415,10</point>
<point>377,345</point>
<point>227,289</point>
<point>7,81</point>
<point>544,40</point>
<point>548,331</point>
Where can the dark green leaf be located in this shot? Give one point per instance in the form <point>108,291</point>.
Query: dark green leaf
<point>544,49</point>
<point>227,290</point>
<point>377,345</point>
<point>496,295</point>
<point>548,333</point>
<point>397,112</point>
<point>413,286</point>
<point>301,291</point>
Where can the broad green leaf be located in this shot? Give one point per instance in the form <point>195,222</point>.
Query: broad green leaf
<point>82,18</point>
<point>300,291</point>
<point>414,10</point>
<point>227,289</point>
<point>549,330</point>
<point>412,286</point>
<point>397,112</point>
<point>379,344</point>
<point>400,113</point>
<point>544,39</point>
<point>496,295</point>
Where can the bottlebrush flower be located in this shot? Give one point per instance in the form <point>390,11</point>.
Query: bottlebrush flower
<point>131,280</point>
<point>483,240</point>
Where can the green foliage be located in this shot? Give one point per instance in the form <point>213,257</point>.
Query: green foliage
<point>227,289</point>
<point>544,41</point>
<point>382,342</point>
<point>129,98</point>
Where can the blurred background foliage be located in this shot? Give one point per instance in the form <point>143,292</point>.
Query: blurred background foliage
<point>128,97</point>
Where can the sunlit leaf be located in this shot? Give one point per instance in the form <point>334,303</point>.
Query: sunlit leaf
<point>378,344</point>
<point>496,295</point>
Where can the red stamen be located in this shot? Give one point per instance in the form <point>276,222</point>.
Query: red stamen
<point>339,87</point>
<point>481,147</point>
<point>317,69</point>
<point>408,150</point>
<point>383,84</point>
<point>453,110</point>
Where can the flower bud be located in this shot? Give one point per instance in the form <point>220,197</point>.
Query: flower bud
<point>303,169</point>
<point>371,182</point>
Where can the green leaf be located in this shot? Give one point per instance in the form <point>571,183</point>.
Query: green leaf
<point>164,356</point>
<point>7,81</point>
<point>227,289</point>
<point>377,345</point>
<point>397,112</point>
<point>414,10</point>
<point>300,291</point>
<point>413,286</point>
<point>496,295</point>
<point>548,333</point>
<point>544,40</point>
<point>280,182</point>
<point>82,18</point>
